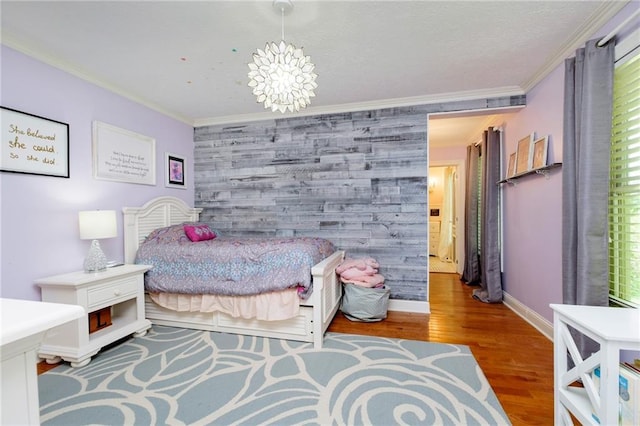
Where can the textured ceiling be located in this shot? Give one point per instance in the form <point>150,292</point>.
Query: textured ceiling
<point>188,59</point>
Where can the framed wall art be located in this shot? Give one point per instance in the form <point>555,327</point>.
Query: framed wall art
<point>540,152</point>
<point>33,145</point>
<point>123,156</point>
<point>175,171</point>
<point>523,154</point>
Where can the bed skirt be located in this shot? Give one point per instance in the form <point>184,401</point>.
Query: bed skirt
<point>273,306</point>
<point>299,327</point>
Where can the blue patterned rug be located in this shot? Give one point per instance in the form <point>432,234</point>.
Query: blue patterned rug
<point>175,376</point>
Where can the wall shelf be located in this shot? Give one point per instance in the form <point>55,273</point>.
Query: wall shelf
<point>540,171</point>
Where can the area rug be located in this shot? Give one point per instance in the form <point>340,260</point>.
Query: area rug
<point>175,376</point>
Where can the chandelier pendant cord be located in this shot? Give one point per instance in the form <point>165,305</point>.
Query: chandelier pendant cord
<point>282,20</point>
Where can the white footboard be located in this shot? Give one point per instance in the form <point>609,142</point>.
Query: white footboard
<point>326,296</point>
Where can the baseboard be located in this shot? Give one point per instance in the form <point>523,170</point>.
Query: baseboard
<point>415,306</point>
<point>529,315</point>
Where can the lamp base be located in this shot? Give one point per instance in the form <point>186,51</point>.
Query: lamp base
<point>96,260</point>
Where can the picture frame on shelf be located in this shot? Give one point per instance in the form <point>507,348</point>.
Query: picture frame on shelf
<point>540,152</point>
<point>33,145</point>
<point>176,172</point>
<point>512,165</point>
<point>523,154</point>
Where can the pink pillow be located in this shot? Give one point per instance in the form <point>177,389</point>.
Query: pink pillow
<point>199,232</point>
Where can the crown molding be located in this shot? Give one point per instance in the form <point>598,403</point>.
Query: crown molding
<point>601,16</point>
<point>366,106</point>
<point>48,59</point>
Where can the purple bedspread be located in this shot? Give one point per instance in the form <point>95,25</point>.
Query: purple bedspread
<point>229,265</point>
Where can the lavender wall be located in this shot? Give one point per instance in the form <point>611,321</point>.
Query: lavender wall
<point>532,235</point>
<point>39,220</point>
<point>533,207</point>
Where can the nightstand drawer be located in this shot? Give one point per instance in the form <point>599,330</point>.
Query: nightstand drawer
<point>110,292</point>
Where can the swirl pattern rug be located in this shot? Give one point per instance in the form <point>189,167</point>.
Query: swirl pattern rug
<point>175,376</point>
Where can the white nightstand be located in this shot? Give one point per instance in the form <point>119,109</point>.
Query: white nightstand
<point>120,287</point>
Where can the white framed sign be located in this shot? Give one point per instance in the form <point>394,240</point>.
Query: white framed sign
<point>123,156</point>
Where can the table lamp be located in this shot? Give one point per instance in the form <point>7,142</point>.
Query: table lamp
<point>96,225</point>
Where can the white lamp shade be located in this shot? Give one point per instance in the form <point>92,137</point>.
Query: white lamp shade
<point>97,224</point>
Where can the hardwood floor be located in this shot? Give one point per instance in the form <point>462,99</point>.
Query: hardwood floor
<point>516,358</point>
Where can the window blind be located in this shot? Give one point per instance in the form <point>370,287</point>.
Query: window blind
<point>624,190</point>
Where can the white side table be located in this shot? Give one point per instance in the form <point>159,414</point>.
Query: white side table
<point>613,329</point>
<point>24,324</point>
<point>120,287</point>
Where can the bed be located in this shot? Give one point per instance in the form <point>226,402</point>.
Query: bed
<point>309,325</point>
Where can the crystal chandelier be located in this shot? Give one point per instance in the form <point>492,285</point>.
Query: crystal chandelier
<point>281,76</point>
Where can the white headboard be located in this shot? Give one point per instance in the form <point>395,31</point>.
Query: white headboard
<point>157,213</point>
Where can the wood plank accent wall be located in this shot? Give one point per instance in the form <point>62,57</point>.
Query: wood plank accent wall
<point>358,179</point>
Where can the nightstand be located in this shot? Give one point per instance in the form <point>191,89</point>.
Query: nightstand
<point>120,289</point>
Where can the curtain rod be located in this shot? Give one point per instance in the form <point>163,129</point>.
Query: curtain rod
<point>495,129</point>
<point>617,29</point>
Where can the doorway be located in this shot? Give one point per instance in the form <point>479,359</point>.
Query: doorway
<point>448,135</point>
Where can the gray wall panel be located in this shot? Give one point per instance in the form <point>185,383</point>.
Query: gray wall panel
<point>358,179</point>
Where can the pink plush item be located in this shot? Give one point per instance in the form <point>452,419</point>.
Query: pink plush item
<point>368,281</point>
<point>361,264</point>
<point>199,232</point>
<point>355,273</point>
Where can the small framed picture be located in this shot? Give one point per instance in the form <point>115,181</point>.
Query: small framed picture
<point>176,172</point>
<point>512,165</point>
<point>523,154</point>
<point>540,152</point>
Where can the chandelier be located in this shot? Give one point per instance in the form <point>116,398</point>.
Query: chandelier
<point>281,76</point>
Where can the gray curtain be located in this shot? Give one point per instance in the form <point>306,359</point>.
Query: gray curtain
<point>471,270</point>
<point>490,290</point>
<point>585,177</point>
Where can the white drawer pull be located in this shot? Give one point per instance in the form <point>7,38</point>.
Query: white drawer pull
<point>116,292</point>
